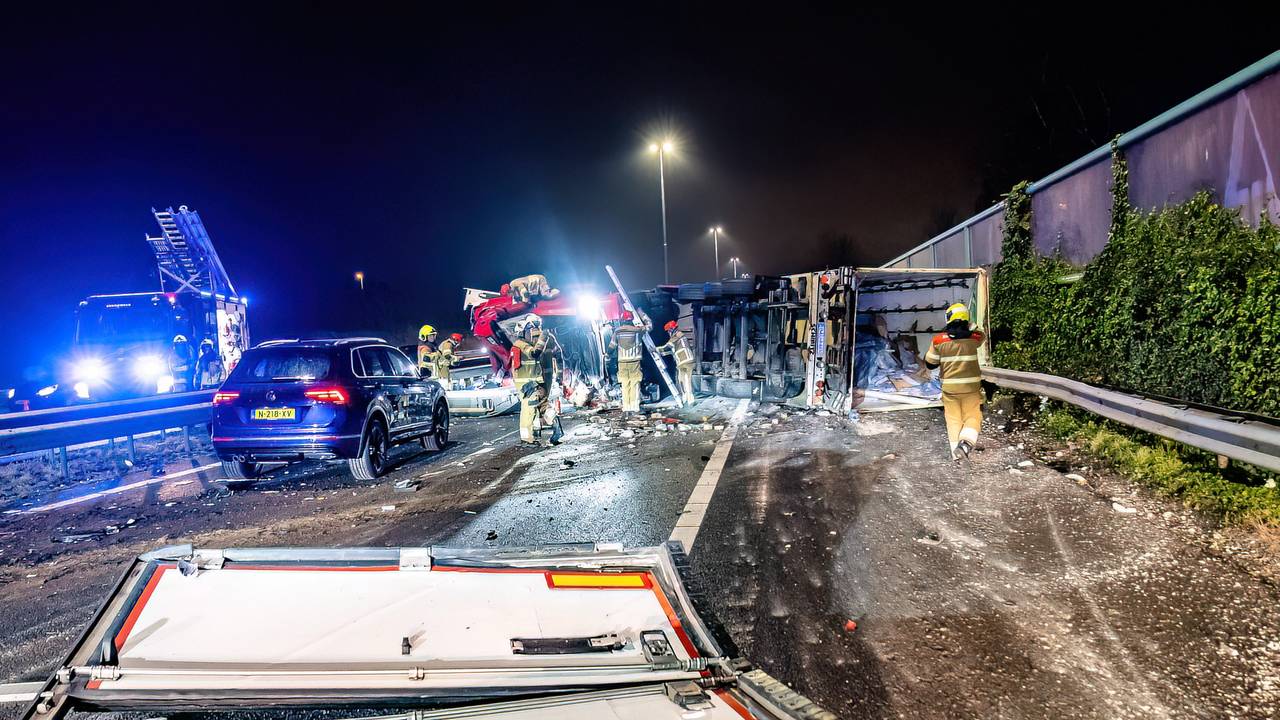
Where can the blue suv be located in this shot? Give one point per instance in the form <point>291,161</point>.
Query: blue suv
<point>352,399</point>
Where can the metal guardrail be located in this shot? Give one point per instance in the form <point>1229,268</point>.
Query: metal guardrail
<point>53,435</point>
<point>102,409</point>
<point>1238,438</point>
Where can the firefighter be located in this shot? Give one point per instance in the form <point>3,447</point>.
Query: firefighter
<point>181,363</point>
<point>426,350</point>
<point>531,287</point>
<point>681,348</point>
<point>526,370</point>
<point>956,352</point>
<point>208,366</point>
<point>628,342</point>
<point>445,359</point>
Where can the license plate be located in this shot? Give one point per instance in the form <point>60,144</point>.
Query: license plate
<point>275,414</point>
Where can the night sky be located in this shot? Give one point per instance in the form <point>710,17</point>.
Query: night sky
<point>435,151</point>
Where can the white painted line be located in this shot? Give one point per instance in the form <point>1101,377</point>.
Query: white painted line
<point>119,489</point>
<point>19,692</point>
<point>695,510</point>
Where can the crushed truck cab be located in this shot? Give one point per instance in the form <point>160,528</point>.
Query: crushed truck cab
<point>590,631</point>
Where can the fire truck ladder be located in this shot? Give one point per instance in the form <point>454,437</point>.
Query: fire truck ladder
<point>185,255</point>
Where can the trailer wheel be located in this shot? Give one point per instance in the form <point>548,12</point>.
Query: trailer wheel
<point>691,291</point>
<point>239,470</point>
<point>739,287</point>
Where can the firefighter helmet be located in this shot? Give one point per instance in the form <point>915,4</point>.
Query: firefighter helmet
<point>671,325</point>
<point>957,311</point>
<point>426,331</point>
<point>179,339</point>
<point>527,322</point>
<point>505,289</point>
<point>456,337</point>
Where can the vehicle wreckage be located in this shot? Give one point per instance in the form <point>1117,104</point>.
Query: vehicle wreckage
<point>842,338</point>
<point>566,631</point>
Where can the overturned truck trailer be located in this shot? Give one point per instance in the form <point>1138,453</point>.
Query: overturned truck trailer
<point>843,338</point>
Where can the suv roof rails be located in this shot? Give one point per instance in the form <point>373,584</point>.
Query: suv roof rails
<point>270,343</point>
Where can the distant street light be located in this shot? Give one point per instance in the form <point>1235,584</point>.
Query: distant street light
<point>661,151</point>
<point>715,233</point>
<point>735,262</point>
<point>360,279</point>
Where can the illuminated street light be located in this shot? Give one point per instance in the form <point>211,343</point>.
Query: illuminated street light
<point>360,279</point>
<point>661,151</point>
<point>735,262</point>
<point>715,234</point>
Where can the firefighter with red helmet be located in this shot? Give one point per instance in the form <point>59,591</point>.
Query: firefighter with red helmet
<point>445,358</point>
<point>628,342</point>
<point>680,347</point>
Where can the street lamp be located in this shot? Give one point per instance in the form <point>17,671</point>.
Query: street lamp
<point>661,151</point>
<point>715,234</point>
<point>360,279</point>
<point>735,262</point>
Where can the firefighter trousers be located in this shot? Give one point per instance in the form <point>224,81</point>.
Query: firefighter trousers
<point>530,408</point>
<point>684,376</point>
<point>963,412</point>
<point>629,375</point>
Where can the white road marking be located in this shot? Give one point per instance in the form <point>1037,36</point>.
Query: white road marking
<point>20,692</point>
<point>695,510</point>
<point>122,488</point>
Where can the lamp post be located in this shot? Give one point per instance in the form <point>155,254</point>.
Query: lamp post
<point>715,234</point>
<point>360,279</point>
<point>661,150</point>
<point>735,261</point>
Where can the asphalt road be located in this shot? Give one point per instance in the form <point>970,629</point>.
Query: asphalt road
<point>975,591</point>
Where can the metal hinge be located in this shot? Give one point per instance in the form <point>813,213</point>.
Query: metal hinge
<point>688,695</point>
<point>201,560</point>
<point>105,672</point>
<point>415,558</point>
<point>417,673</point>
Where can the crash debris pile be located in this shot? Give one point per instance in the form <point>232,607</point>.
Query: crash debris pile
<point>893,367</point>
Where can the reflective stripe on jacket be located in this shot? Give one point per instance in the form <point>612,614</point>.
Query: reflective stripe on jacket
<point>957,361</point>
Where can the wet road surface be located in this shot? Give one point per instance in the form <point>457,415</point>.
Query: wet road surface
<point>976,592</point>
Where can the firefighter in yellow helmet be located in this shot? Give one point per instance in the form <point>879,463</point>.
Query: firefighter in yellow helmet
<point>628,341</point>
<point>526,371</point>
<point>955,351</point>
<point>680,347</point>
<point>445,358</point>
<point>426,350</point>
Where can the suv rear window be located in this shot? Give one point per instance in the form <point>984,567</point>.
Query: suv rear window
<point>284,363</point>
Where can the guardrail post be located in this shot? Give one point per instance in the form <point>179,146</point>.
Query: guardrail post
<point>111,448</point>
<point>186,436</point>
<point>66,472</point>
<point>133,455</point>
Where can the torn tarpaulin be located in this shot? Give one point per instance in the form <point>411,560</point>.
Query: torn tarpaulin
<point>879,368</point>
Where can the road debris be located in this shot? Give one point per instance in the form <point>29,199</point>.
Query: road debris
<point>1123,509</point>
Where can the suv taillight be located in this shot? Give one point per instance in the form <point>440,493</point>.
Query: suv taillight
<point>333,395</point>
<point>222,397</point>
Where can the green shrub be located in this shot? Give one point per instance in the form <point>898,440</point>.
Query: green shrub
<point>1183,301</point>
<point>1170,469</point>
